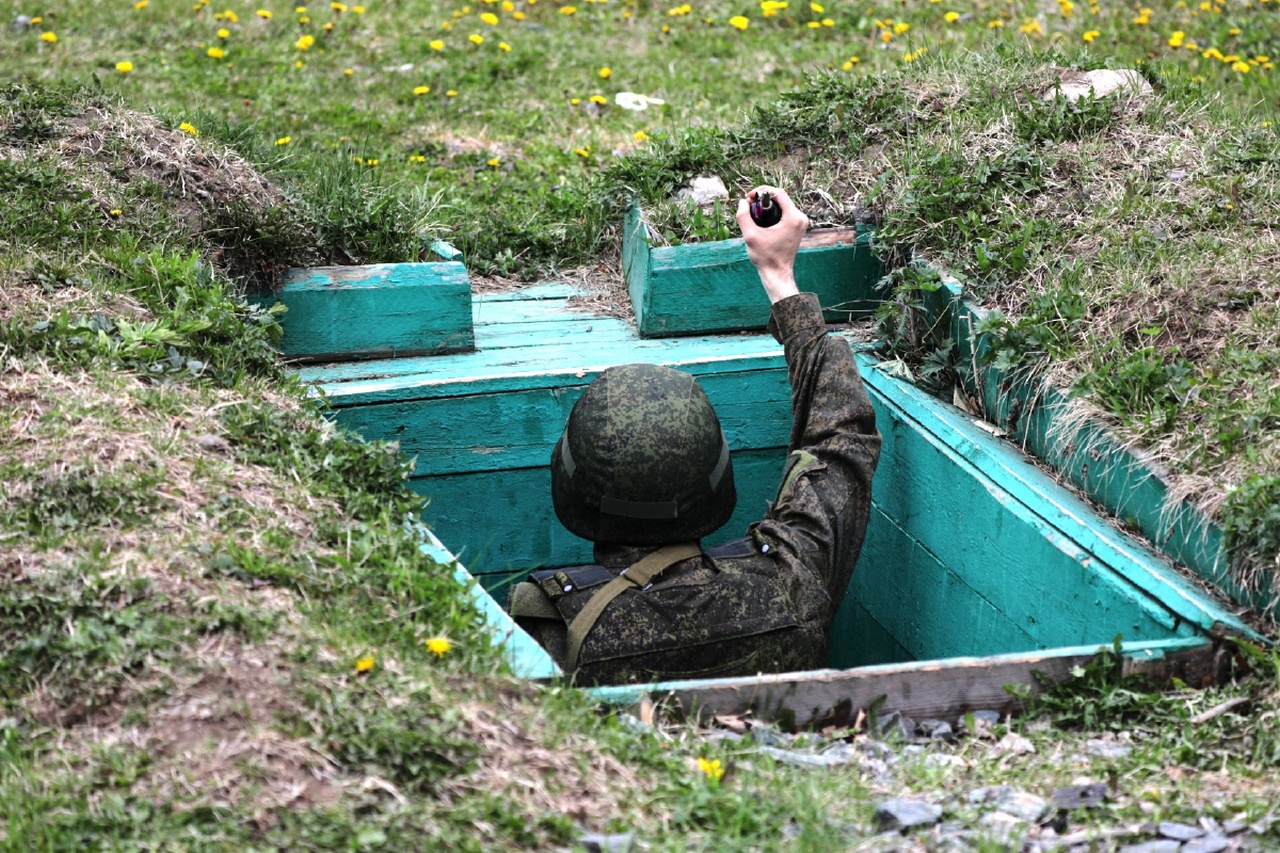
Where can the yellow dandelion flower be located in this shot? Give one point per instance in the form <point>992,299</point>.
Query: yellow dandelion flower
<point>508,6</point>
<point>357,10</point>
<point>995,25</point>
<point>216,52</point>
<point>712,769</point>
<point>421,90</point>
<point>605,73</point>
<point>900,28</point>
<point>827,22</point>
<point>439,646</point>
<point>494,162</point>
<point>348,71</point>
<point>598,99</point>
<point>1066,7</point>
<point>739,22</point>
<point>1262,59</point>
<point>300,10</point>
<point>124,67</point>
<point>36,21</point>
<point>575,101</point>
<point>298,63</point>
<point>141,4</point>
<point>50,36</point>
<point>518,15</point>
<point>451,93</point>
<point>304,20</point>
<point>1241,66</point>
<point>1231,58</point>
<point>1234,31</point>
<point>223,33</point>
<point>817,8</point>
<point>1175,40</point>
<point>364,664</point>
<point>475,38</point>
<point>436,44</point>
<point>305,42</point>
<point>338,7</point>
<point>115,211</point>
<point>886,37</point>
<point>284,140</point>
<point>1212,53</point>
<point>640,136</point>
<point>417,158</point>
<point>490,19</point>
<point>584,151</point>
<point>951,17</point>
<point>328,26</point>
<point>568,10</point>
<point>264,14</point>
<point>813,25</point>
<point>189,128</point>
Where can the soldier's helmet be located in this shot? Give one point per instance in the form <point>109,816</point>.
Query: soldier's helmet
<point>642,460</point>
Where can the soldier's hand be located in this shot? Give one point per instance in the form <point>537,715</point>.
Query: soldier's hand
<point>773,250</point>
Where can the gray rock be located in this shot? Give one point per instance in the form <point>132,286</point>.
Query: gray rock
<point>944,759</point>
<point>704,191</point>
<point>877,749</point>
<point>1014,744</point>
<point>989,794</point>
<point>620,843</point>
<point>1180,831</point>
<point>840,753</point>
<point>885,842</point>
<point>767,735</point>
<point>1163,845</point>
<point>214,443</point>
<point>21,22</point>
<point>1107,748</point>
<point>1079,796</point>
<point>935,730</point>
<point>1210,826</point>
<point>1207,844</point>
<point>894,723</point>
<point>1234,827</point>
<point>1021,805</point>
<point>905,814</point>
<point>1100,83</point>
<point>1009,832</point>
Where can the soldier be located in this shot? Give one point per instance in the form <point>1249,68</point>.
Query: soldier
<point>643,471</point>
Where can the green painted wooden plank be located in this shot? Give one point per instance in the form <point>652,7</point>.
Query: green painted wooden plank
<point>526,658</point>
<point>855,629</point>
<point>712,287</point>
<point>1065,520</point>
<point>502,522</point>
<point>541,365</point>
<point>1089,456</point>
<point>519,429</point>
<point>374,311</point>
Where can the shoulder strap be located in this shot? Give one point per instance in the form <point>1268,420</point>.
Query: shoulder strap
<point>638,575</point>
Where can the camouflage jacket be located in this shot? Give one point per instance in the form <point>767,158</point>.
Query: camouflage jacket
<point>763,603</point>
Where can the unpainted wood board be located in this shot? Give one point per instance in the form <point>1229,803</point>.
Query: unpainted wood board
<point>519,429</point>
<point>942,689</point>
<point>503,521</point>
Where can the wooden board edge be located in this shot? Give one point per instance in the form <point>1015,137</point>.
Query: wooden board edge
<point>939,689</point>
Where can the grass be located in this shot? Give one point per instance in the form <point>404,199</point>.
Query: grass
<point>213,615</point>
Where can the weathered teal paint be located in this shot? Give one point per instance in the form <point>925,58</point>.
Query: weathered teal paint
<point>526,658</point>
<point>971,550</point>
<point>1037,416</point>
<point>375,311</point>
<point>712,287</point>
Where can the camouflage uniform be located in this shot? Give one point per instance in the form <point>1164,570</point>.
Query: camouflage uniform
<point>760,604</point>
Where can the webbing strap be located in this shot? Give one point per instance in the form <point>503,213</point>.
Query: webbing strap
<point>638,575</point>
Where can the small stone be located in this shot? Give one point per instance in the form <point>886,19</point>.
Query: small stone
<point>893,722</point>
<point>885,842</point>
<point>944,759</point>
<point>1079,796</point>
<point>767,735</point>
<point>704,191</point>
<point>1163,845</point>
<point>1176,175</point>
<point>619,843</point>
<point>1210,826</point>
<point>840,753</point>
<point>1180,831</point>
<point>876,749</point>
<point>21,22</point>
<point>1021,805</point>
<point>1075,85</point>
<point>215,443</point>
<point>935,730</point>
<point>1014,744</point>
<point>1206,844</point>
<point>904,814</point>
<point>1107,748</point>
<point>1009,832</point>
<point>1234,827</point>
